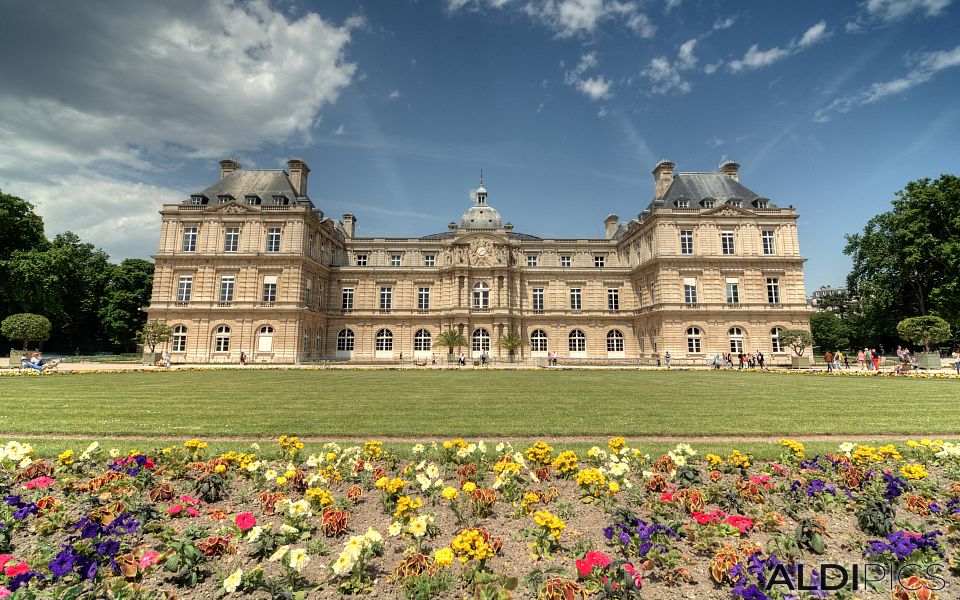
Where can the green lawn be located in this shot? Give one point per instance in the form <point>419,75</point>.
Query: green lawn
<point>346,404</point>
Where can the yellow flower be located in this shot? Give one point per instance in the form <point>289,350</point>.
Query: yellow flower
<point>406,507</point>
<point>616,444</point>
<point>281,480</point>
<point>65,457</point>
<point>738,460</point>
<point>614,487</point>
<point>470,545</point>
<point>714,460</point>
<point>449,493</point>
<point>796,447</point>
<point>550,522</point>
<point>469,487</point>
<point>373,449</point>
<point>298,559</point>
<point>220,469</point>
<point>443,557</point>
<point>540,452</point>
<point>231,583</point>
<point>566,462</point>
<point>319,497</point>
<point>914,471</point>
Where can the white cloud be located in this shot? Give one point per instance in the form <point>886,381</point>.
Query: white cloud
<point>725,23</point>
<point>150,85</point>
<point>665,76</point>
<point>755,58</point>
<point>603,112</point>
<point>595,88</point>
<point>716,142</point>
<point>882,12</point>
<point>339,130</point>
<point>712,68</point>
<point>923,68</point>
<point>672,4</point>
<point>572,18</point>
<point>394,94</point>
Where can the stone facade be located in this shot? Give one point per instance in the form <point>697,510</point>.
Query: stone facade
<point>251,265</point>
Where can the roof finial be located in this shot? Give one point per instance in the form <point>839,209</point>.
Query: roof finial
<point>481,176</point>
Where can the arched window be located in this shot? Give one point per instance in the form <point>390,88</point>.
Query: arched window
<point>265,339</point>
<point>614,341</point>
<point>345,340</point>
<point>422,341</point>
<point>318,342</point>
<point>693,340</point>
<point>577,341</point>
<point>178,343</point>
<point>384,341</point>
<point>481,340</point>
<point>736,340</point>
<point>538,341</point>
<point>481,295</point>
<point>776,344</point>
<point>222,339</point>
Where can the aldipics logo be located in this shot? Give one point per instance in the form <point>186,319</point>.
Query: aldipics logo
<point>908,580</point>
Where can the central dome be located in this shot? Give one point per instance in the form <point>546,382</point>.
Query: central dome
<point>481,216</point>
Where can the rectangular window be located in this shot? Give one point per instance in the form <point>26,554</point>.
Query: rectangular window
<point>430,260</point>
<point>423,298</point>
<point>270,288</point>
<point>613,299</point>
<point>726,242</point>
<point>273,239</point>
<point>394,260</point>
<point>733,290</point>
<point>683,204</point>
<point>226,288</point>
<point>310,245</point>
<point>598,261</point>
<point>309,292</point>
<point>538,298</point>
<point>231,239</point>
<point>386,298</point>
<point>531,260</point>
<point>183,288</point>
<point>709,203</point>
<point>575,303</point>
<point>769,246</point>
<point>347,299</point>
<point>361,260</point>
<point>650,290</point>
<point>566,261</point>
<point>690,290</point>
<point>179,340</point>
<point>686,241</point>
<point>773,290</point>
<point>189,239</point>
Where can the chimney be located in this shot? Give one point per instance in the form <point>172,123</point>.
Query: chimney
<point>610,225</point>
<point>349,223</point>
<point>227,166</point>
<point>298,171</point>
<point>730,169</point>
<point>662,178</point>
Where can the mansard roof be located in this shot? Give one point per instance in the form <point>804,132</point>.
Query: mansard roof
<point>696,187</point>
<point>265,183</point>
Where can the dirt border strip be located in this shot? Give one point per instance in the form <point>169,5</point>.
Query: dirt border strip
<point>559,438</point>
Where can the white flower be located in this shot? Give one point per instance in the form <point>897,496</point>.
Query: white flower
<point>114,452</point>
<point>255,446</point>
<point>418,449</point>
<point>373,536</point>
<point>254,466</point>
<point>254,533</point>
<point>343,564</point>
<point>313,461</point>
<point>298,559</point>
<point>231,583</point>
<point>420,465</point>
<point>500,447</point>
<point>482,447</point>
<point>418,527</point>
<point>299,508</point>
<point>278,554</point>
<point>432,471</point>
<point>395,529</point>
<point>26,462</point>
<point>423,480</point>
<point>846,447</point>
<point>680,460</point>
<point>270,474</point>
<point>288,530</point>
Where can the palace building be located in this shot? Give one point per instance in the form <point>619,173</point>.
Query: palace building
<point>251,265</point>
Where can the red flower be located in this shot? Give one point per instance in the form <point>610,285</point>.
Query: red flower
<point>175,509</point>
<point>4,559</point>
<point>637,577</point>
<point>245,521</point>
<point>591,560</point>
<point>39,482</point>
<point>714,516</point>
<point>666,497</point>
<point>18,569</point>
<point>743,524</point>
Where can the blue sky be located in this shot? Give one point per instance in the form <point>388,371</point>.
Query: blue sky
<point>566,105</point>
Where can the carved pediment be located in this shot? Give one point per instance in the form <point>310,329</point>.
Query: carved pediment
<point>230,208</point>
<point>726,210</point>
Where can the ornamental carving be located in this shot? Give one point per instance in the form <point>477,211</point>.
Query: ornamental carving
<point>232,209</point>
<point>727,211</point>
<point>482,252</point>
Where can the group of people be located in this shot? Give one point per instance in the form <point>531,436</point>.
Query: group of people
<point>752,360</point>
<point>37,362</point>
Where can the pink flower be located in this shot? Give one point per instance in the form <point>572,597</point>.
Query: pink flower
<point>742,524</point>
<point>175,509</point>
<point>5,593</point>
<point>714,516</point>
<point>245,521</point>
<point>637,578</point>
<point>149,558</point>
<point>4,559</point>
<point>193,512</point>
<point>591,560</point>
<point>18,569</point>
<point>39,482</point>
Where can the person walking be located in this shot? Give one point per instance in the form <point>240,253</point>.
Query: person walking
<point>837,360</point>
<point>956,360</point>
<point>243,358</point>
<point>667,358</point>
<point>462,359</point>
<point>761,360</point>
<point>165,357</point>
<point>828,358</point>
<point>716,361</point>
<point>875,358</point>
<point>861,359</point>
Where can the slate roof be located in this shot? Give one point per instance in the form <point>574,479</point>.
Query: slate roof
<point>264,183</point>
<point>696,187</point>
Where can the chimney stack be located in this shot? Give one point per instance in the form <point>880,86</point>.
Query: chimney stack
<point>662,178</point>
<point>227,166</point>
<point>731,169</point>
<point>350,224</point>
<point>610,225</point>
<point>298,171</point>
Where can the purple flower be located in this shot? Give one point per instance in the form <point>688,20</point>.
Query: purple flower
<point>63,563</point>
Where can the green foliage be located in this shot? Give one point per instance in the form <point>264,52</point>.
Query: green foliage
<point>688,476</point>
<point>185,562</point>
<point>511,342</point>
<point>20,227</point>
<point>450,339</point>
<point>210,488</point>
<point>798,339</point>
<point>24,327</point>
<point>127,292</point>
<point>809,535</point>
<point>829,332</point>
<point>154,333</point>
<point>907,260</point>
<point>426,586</point>
<point>876,517</point>
<point>926,330</point>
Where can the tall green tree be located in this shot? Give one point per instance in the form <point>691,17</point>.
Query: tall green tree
<point>127,292</point>
<point>829,332</point>
<point>20,227</point>
<point>907,261</point>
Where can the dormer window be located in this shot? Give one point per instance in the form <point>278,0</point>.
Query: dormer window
<point>281,200</point>
<point>253,200</point>
<point>683,204</point>
<point>761,202</point>
<point>224,198</point>
<point>198,199</point>
<point>709,203</point>
<point>735,202</point>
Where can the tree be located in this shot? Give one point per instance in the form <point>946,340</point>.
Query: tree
<point>154,333</point>
<point>926,330</point>
<point>450,339</point>
<point>26,327</point>
<point>798,339</point>
<point>511,342</point>
<point>20,227</point>
<point>829,332</point>
<point>127,292</point>
<point>907,260</point>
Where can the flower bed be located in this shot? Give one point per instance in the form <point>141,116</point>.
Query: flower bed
<point>485,520</point>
